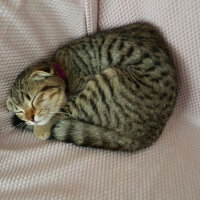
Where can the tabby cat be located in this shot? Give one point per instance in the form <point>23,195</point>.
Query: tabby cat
<point>121,90</point>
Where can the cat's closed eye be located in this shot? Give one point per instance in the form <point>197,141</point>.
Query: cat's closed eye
<point>19,112</point>
<point>28,96</point>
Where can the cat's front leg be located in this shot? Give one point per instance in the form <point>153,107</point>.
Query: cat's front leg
<point>43,132</point>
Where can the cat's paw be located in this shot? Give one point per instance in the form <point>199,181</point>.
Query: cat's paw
<point>41,133</point>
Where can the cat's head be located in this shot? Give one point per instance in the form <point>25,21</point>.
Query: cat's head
<point>37,94</point>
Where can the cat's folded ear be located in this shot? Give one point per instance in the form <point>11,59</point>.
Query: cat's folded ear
<point>42,72</point>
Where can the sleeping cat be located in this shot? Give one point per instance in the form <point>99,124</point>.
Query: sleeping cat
<point>121,90</point>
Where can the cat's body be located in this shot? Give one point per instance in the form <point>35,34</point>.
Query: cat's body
<point>122,90</point>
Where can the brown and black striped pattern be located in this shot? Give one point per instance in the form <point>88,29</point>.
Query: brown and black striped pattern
<point>122,89</point>
<point>129,92</point>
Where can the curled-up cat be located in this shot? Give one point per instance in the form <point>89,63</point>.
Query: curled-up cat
<point>121,90</point>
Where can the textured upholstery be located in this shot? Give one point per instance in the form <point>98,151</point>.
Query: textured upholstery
<point>33,169</point>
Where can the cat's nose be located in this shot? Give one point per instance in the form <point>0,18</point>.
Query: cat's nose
<point>31,118</point>
<point>30,115</point>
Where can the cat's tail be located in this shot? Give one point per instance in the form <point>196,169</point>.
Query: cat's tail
<point>84,134</point>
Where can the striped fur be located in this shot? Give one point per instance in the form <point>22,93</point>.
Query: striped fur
<point>122,88</point>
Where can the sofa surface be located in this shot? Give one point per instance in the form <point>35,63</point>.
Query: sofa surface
<point>33,169</point>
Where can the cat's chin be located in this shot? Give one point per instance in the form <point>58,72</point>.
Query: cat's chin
<point>42,122</point>
<point>39,123</point>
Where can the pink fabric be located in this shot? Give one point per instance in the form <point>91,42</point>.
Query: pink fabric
<point>33,169</point>
<point>60,72</point>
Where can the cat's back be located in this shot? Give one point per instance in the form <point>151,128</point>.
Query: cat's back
<point>136,33</point>
<point>135,44</point>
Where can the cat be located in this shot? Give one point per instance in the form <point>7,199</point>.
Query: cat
<point>121,90</point>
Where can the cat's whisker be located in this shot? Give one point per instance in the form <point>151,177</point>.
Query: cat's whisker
<point>5,114</point>
<point>18,125</point>
<point>21,127</point>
